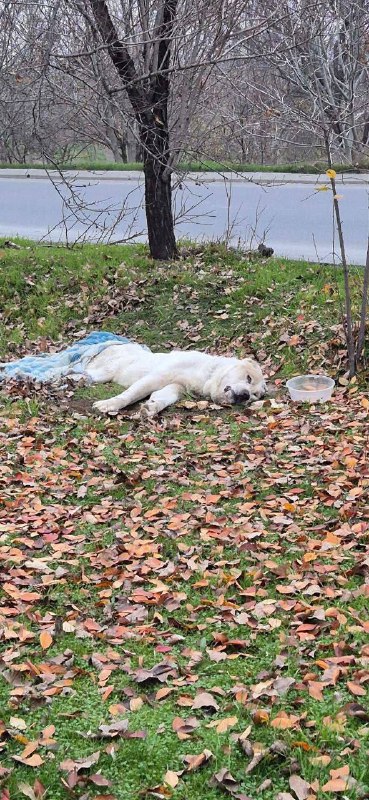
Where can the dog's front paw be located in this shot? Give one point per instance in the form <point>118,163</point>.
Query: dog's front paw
<point>107,406</point>
<point>149,409</point>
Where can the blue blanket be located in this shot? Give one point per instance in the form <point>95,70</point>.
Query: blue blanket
<point>71,361</point>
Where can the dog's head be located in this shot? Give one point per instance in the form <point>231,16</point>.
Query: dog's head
<point>242,382</point>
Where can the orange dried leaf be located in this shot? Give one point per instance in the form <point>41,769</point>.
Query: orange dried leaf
<point>196,761</point>
<point>46,640</point>
<point>356,689</point>
<point>341,772</point>
<point>260,717</point>
<point>221,726</point>
<point>284,721</point>
<point>33,761</point>
<point>161,693</point>
<point>304,746</point>
<point>335,785</point>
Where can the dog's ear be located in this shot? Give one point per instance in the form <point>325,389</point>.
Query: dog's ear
<point>250,363</point>
<point>252,369</point>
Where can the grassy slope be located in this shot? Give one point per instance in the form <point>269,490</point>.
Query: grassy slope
<point>221,557</point>
<point>222,295</point>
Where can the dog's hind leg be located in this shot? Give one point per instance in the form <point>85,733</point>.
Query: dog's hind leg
<point>162,399</point>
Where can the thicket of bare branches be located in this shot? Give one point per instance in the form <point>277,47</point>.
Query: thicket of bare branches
<point>305,72</point>
<point>168,81</point>
<point>318,56</point>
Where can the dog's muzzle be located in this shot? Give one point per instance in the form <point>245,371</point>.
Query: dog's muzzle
<point>242,397</point>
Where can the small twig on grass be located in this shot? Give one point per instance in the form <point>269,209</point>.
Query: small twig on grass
<point>363,310</point>
<point>349,334</point>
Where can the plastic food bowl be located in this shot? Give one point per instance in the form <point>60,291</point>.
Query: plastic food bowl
<point>310,388</point>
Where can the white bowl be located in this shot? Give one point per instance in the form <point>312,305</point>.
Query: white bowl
<point>310,388</point>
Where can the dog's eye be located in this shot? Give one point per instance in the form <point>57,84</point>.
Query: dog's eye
<point>249,378</point>
<point>227,388</point>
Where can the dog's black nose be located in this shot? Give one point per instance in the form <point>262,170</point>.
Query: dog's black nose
<point>242,397</point>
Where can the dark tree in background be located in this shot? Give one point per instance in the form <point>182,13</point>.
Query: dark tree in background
<point>149,97</point>
<point>165,53</point>
<point>149,74</point>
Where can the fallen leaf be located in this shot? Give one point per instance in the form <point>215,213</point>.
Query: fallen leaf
<point>206,701</point>
<point>98,780</point>
<point>184,728</point>
<point>322,760</point>
<point>223,725</point>
<point>160,672</point>
<point>193,762</point>
<point>356,710</point>
<point>260,717</point>
<point>300,787</point>
<point>80,763</point>
<point>356,689</point>
<point>341,772</point>
<point>31,761</point>
<point>115,728</point>
<point>257,756</point>
<point>27,790</point>
<point>17,722</point>
<point>162,693</point>
<point>335,785</point>
<point>224,780</point>
<point>46,640</point>
<point>171,779</point>
<point>284,796</point>
<point>284,721</point>
<point>266,784</point>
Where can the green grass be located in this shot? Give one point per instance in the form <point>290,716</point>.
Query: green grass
<point>78,489</point>
<point>193,302</point>
<point>94,164</point>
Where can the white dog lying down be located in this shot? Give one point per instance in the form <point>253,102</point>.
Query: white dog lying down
<point>165,377</point>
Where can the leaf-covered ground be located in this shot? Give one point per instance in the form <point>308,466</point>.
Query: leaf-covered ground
<point>184,603</point>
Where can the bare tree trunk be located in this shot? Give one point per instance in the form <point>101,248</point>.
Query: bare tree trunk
<point>150,105</point>
<point>139,156</point>
<point>158,195</point>
<point>115,148</point>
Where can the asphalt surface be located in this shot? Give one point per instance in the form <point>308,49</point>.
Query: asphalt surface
<point>285,211</point>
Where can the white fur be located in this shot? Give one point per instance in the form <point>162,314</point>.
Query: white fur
<point>165,377</point>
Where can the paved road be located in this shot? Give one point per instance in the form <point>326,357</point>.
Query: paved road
<point>291,217</point>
